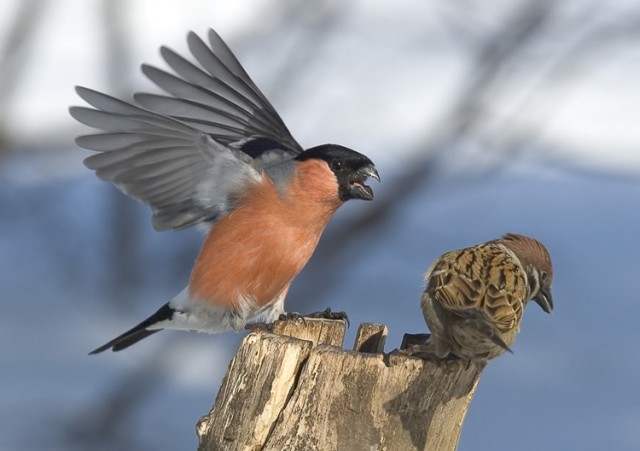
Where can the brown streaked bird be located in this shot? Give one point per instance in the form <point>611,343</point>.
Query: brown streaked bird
<point>475,297</point>
<point>214,151</point>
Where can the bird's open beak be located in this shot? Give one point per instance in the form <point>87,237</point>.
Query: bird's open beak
<point>357,187</point>
<point>544,299</point>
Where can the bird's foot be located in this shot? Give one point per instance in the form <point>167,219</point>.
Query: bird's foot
<point>331,315</point>
<point>268,327</point>
<point>259,327</point>
<point>422,351</point>
<point>324,314</point>
<point>427,351</point>
<point>291,316</point>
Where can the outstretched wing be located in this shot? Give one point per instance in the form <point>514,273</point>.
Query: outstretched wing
<point>218,98</point>
<point>191,155</point>
<point>181,173</point>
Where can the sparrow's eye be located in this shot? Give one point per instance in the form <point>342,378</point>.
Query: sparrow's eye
<point>544,276</point>
<point>336,165</point>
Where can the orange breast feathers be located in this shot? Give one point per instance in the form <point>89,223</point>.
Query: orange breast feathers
<point>255,252</point>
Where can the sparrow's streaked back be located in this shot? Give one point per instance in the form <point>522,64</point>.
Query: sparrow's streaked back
<point>475,297</point>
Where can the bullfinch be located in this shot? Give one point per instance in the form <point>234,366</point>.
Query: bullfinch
<point>214,151</point>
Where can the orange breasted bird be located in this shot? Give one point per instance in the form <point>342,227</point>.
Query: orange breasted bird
<point>214,151</point>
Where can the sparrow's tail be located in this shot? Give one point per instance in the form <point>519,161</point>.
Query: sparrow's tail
<point>480,322</point>
<point>137,333</point>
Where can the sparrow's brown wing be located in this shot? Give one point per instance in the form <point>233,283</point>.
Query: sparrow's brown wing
<point>480,282</point>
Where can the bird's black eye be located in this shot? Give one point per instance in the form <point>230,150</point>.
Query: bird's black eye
<point>544,276</point>
<point>336,165</point>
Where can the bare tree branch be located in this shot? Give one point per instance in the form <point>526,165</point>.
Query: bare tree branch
<point>125,273</point>
<point>107,423</point>
<point>15,54</point>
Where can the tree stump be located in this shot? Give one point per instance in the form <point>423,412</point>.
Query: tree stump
<point>293,387</point>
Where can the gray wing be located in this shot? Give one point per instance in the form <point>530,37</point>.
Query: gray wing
<point>189,155</point>
<point>181,173</point>
<point>217,97</point>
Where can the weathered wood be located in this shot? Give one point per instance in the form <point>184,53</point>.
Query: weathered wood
<point>317,331</point>
<point>266,365</point>
<point>410,340</point>
<point>254,391</point>
<point>286,393</point>
<point>370,338</point>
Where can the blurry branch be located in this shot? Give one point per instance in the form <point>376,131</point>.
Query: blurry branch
<point>592,33</point>
<point>118,57</point>
<point>601,34</point>
<point>466,113</point>
<point>598,29</point>
<point>109,423</point>
<point>491,58</point>
<point>14,55</point>
<point>125,268</point>
<point>568,39</point>
<point>454,19</point>
<point>322,19</point>
<point>309,24</point>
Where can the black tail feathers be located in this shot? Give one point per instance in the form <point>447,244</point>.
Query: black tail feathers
<point>137,333</point>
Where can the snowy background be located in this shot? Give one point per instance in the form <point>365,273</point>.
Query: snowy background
<point>505,116</point>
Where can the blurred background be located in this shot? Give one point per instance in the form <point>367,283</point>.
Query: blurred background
<point>482,117</point>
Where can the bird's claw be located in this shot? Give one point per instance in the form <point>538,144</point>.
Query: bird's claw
<point>331,315</point>
<point>292,316</point>
<point>324,314</point>
<point>422,351</point>
<point>258,327</point>
<point>426,351</point>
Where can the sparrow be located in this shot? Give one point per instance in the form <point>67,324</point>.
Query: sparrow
<point>214,151</point>
<point>475,297</point>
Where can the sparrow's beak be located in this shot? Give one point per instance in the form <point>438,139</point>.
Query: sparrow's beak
<point>357,187</point>
<point>544,299</point>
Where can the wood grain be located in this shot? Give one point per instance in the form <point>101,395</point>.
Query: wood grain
<point>297,392</point>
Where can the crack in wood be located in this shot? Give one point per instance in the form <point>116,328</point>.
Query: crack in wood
<point>298,389</point>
